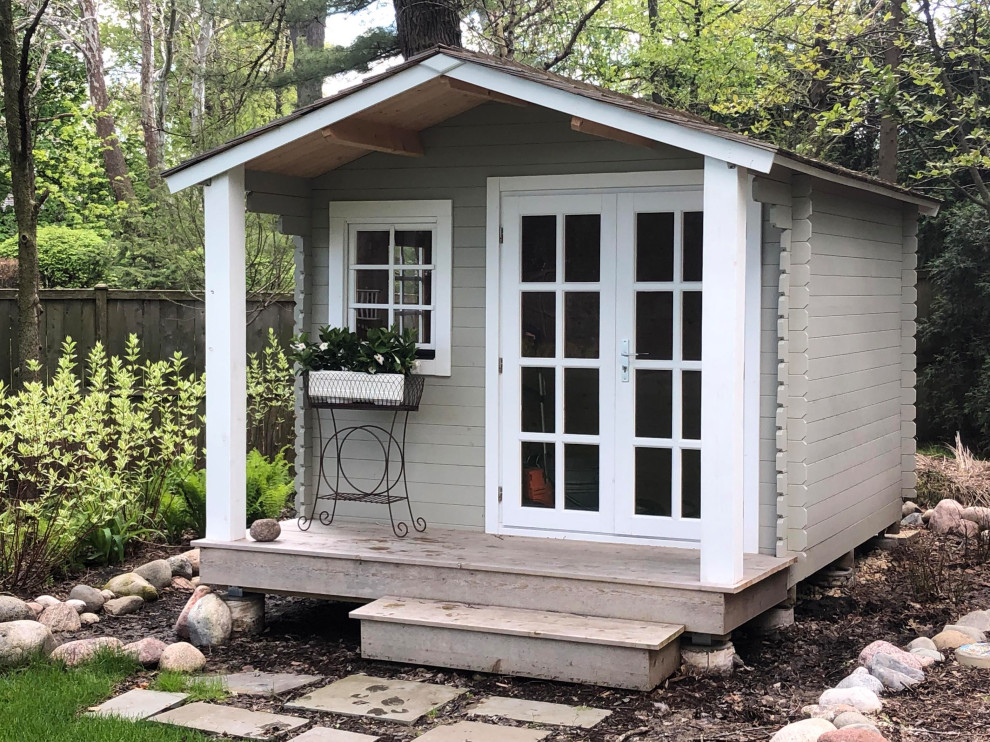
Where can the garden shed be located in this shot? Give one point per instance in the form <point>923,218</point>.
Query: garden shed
<point>669,369</point>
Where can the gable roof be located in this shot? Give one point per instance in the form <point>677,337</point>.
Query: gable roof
<point>413,91</point>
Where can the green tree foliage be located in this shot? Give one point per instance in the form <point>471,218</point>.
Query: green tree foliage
<point>67,258</point>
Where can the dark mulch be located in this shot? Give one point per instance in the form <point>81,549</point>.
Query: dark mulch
<point>782,673</point>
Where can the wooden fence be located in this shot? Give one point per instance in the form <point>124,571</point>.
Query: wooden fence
<point>164,321</point>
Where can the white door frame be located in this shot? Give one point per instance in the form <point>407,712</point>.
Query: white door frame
<point>577,184</point>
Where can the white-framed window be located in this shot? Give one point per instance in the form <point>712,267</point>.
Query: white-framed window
<point>391,264</point>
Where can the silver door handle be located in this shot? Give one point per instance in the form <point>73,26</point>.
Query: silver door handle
<point>625,355</point>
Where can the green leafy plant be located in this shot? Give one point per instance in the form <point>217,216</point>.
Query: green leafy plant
<point>67,258</point>
<point>270,398</point>
<point>383,350</point>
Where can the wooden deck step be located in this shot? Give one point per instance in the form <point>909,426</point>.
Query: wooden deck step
<point>618,653</point>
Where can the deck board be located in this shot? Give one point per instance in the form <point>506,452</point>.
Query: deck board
<point>629,564</point>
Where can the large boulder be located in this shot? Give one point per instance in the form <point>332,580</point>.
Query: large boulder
<point>131,583</point>
<point>892,679</point>
<point>181,566</point>
<point>147,651</point>
<point>979,620</point>
<point>946,517</point>
<point>897,664</point>
<point>807,730</point>
<point>181,624</point>
<point>123,606</point>
<point>92,597</point>
<point>861,699</point>
<point>77,652</point>
<point>209,622</point>
<point>158,573</point>
<point>181,657</point>
<point>60,617</point>
<point>978,515</point>
<point>882,647</point>
<point>14,609</point>
<point>22,640</point>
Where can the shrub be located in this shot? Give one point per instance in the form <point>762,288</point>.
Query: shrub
<point>270,398</point>
<point>67,258</point>
<point>87,457</point>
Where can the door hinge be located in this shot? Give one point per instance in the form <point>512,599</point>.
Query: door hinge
<point>501,235</point>
<point>500,494</point>
<point>500,365</point>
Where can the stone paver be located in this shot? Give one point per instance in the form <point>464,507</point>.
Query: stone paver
<point>139,704</point>
<point>266,683</point>
<point>539,712</point>
<point>402,701</point>
<point>234,722</point>
<point>326,734</point>
<point>472,731</point>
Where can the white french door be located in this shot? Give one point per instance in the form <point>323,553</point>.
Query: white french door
<point>601,363</point>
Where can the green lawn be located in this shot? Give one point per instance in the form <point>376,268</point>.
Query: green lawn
<point>43,703</point>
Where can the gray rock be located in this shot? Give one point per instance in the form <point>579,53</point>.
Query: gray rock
<point>978,515</point>
<point>909,508</point>
<point>147,651</point>
<point>46,600</point>
<point>88,619</point>
<point>808,730</point>
<point>158,573</point>
<point>92,597</point>
<point>266,529</point>
<point>77,605</point>
<point>181,657</point>
<point>181,567</point>
<point>60,617</point>
<point>979,620</point>
<point>914,520</point>
<point>892,679</point>
<point>21,640</point>
<point>862,699</point>
<point>77,652</point>
<point>193,556</point>
<point>946,517</point>
<point>36,609</point>
<point>929,654</point>
<point>977,635</point>
<point>896,664</point>
<point>123,606</point>
<point>209,622</point>
<point>861,680</point>
<point>847,718</point>
<point>108,595</point>
<point>14,609</point>
<point>133,584</point>
<point>922,642</point>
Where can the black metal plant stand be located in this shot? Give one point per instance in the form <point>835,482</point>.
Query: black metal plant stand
<point>333,483</point>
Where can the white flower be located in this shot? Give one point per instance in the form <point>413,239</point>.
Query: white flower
<point>379,357</point>
<point>298,347</point>
<point>415,365</point>
<point>323,346</point>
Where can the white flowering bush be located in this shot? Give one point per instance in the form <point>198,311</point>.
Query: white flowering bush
<point>87,449</point>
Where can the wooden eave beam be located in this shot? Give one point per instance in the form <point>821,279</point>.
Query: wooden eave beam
<point>475,91</point>
<point>607,132</point>
<point>374,136</point>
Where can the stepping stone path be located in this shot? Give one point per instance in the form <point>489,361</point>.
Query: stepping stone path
<point>402,701</point>
<point>326,734</point>
<point>139,704</point>
<point>266,683</point>
<point>471,731</point>
<point>234,722</point>
<point>539,712</point>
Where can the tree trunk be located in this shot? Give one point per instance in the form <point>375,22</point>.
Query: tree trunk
<point>201,50</point>
<point>15,65</point>
<point>149,123</point>
<point>423,24</point>
<point>106,127</point>
<point>308,34</point>
<point>161,102</point>
<point>653,13</point>
<point>887,140</point>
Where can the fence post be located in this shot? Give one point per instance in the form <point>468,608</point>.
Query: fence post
<point>102,317</point>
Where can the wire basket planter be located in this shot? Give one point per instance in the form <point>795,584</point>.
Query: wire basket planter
<point>345,390</point>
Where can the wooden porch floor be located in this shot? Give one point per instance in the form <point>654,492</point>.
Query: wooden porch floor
<point>366,561</point>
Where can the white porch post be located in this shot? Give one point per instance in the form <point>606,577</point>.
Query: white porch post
<point>723,330</point>
<point>226,382</point>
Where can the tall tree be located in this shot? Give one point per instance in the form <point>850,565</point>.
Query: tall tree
<point>307,32</point>
<point>422,24</point>
<point>889,122</point>
<point>149,120</point>
<point>16,63</point>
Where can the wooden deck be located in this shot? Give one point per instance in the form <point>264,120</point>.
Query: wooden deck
<point>364,562</point>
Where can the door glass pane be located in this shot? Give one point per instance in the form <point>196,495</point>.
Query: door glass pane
<point>690,483</point>
<point>413,247</point>
<point>371,287</point>
<point>691,337</point>
<point>655,247</point>
<point>417,320</point>
<point>538,400</point>
<point>582,247</point>
<point>581,324</point>
<point>653,403</point>
<point>365,319</point>
<point>539,248</point>
<point>653,473</point>
<point>580,477</point>
<point>691,269</point>
<point>581,401</point>
<point>371,247</point>
<point>414,287</point>
<point>539,324</point>
<point>691,405</point>
<point>537,475</point>
<point>654,325</point>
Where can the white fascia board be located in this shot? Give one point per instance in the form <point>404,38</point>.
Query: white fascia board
<point>758,159</point>
<point>300,127</point>
<point>925,206</point>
